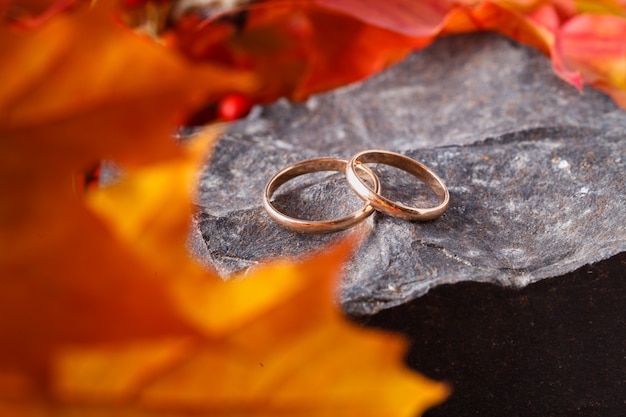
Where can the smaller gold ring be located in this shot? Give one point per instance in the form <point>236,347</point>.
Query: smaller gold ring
<point>309,226</point>
<point>404,163</point>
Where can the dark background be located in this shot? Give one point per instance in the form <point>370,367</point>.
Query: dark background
<point>554,348</point>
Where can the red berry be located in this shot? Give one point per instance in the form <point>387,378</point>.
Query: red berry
<point>234,106</point>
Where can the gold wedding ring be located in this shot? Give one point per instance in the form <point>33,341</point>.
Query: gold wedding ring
<point>307,167</point>
<point>404,163</point>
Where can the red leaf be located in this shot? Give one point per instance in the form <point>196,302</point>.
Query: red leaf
<point>411,18</point>
<point>296,48</point>
<point>595,47</point>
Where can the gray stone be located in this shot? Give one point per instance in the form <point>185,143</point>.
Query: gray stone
<point>536,173</point>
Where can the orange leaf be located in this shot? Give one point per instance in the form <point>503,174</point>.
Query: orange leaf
<point>89,89</point>
<point>296,48</point>
<point>533,28</point>
<point>295,355</point>
<point>112,373</point>
<point>595,47</point>
<point>148,211</point>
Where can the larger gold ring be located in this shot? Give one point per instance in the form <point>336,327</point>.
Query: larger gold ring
<point>310,226</point>
<point>404,163</point>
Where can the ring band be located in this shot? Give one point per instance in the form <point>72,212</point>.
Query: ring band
<point>404,163</point>
<point>309,226</point>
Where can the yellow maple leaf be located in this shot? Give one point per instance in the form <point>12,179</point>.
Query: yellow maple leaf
<point>296,355</point>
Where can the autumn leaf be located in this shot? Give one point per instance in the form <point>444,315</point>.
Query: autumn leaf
<point>102,310</point>
<point>295,354</point>
<point>296,48</point>
<point>87,89</point>
<point>594,46</point>
<point>535,29</point>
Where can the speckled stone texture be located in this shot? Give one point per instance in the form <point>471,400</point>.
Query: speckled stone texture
<point>536,173</point>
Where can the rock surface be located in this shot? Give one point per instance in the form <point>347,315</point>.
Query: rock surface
<point>536,172</point>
